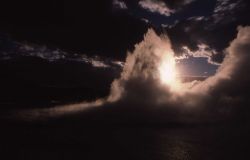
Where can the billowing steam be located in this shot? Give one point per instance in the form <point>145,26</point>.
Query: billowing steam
<point>149,79</point>
<point>151,63</point>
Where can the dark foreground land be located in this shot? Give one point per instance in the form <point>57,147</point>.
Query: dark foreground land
<point>58,140</point>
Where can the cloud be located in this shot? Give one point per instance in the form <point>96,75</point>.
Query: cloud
<point>159,7</point>
<point>52,55</point>
<point>188,1</point>
<point>208,29</point>
<point>224,10</point>
<point>139,87</point>
<point>119,4</point>
<point>197,18</point>
<point>203,51</point>
<point>145,20</point>
<point>195,33</point>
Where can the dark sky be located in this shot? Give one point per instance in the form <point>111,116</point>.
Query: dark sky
<point>104,28</point>
<point>66,40</point>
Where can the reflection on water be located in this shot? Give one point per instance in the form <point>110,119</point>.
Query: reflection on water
<point>124,143</point>
<point>177,149</point>
<point>185,144</point>
<point>168,145</point>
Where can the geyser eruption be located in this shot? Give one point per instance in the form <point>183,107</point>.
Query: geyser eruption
<point>149,80</point>
<point>151,67</point>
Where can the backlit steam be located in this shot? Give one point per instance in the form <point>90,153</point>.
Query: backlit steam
<point>167,70</point>
<point>149,79</point>
<point>151,67</point>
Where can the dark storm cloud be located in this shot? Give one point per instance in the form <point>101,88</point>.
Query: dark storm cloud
<point>89,27</point>
<point>209,30</point>
<point>84,27</point>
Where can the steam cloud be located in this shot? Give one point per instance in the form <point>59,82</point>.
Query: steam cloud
<point>139,85</point>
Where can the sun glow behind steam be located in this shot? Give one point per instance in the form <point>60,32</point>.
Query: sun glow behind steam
<point>168,72</point>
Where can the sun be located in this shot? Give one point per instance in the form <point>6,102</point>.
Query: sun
<point>167,71</point>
